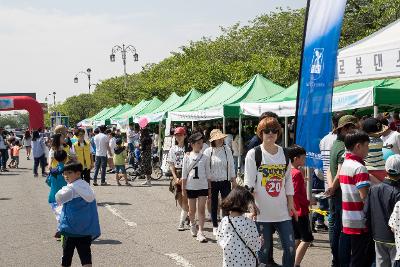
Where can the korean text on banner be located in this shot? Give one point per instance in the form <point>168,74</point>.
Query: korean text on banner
<point>314,103</point>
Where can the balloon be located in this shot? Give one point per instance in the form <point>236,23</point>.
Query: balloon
<point>143,122</point>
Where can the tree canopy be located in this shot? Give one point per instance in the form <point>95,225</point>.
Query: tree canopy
<point>270,45</point>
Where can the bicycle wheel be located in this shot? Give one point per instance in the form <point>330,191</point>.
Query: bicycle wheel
<point>157,172</point>
<point>132,174</point>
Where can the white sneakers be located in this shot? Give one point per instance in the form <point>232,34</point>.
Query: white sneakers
<point>193,230</point>
<point>215,231</point>
<point>147,182</point>
<point>201,238</point>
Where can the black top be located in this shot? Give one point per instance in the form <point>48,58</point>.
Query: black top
<point>379,206</point>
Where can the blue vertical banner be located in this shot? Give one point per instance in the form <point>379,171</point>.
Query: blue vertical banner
<point>318,63</point>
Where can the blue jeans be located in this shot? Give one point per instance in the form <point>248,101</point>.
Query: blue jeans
<point>340,243</point>
<point>100,162</point>
<point>286,235</point>
<point>4,158</point>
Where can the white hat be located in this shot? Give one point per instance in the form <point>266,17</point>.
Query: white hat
<point>392,165</point>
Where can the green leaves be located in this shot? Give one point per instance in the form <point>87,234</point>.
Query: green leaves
<point>270,45</point>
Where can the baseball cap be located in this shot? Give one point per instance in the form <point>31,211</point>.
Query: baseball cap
<point>180,130</point>
<point>392,165</point>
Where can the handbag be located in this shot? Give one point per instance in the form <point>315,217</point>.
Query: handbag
<point>245,244</point>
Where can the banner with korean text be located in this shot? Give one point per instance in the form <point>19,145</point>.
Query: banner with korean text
<point>314,102</point>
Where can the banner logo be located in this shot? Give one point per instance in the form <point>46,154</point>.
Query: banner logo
<point>317,63</point>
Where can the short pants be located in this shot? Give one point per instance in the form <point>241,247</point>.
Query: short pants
<point>82,245</point>
<point>302,229</point>
<point>197,193</point>
<point>120,168</point>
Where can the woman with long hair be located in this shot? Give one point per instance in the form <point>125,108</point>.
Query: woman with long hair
<point>145,152</point>
<point>27,143</point>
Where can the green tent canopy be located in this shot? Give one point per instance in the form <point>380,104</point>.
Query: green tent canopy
<point>384,93</point>
<point>207,106</point>
<point>173,102</point>
<point>144,106</point>
<point>89,121</point>
<point>129,113</point>
<point>258,87</point>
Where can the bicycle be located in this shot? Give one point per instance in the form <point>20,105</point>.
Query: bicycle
<point>134,171</point>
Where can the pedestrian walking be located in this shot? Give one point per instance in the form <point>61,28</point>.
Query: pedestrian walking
<point>145,154</point>
<point>238,235</point>
<point>110,154</point>
<point>83,156</point>
<point>102,148</point>
<point>222,171</point>
<point>38,153</point>
<point>268,177</point>
<point>14,150</point>
<point>79,220</point>
<point>196,184</point>
<point>56,181</point>
<point>175,160</point>
<point>27,143</point>
<point>119,161</point>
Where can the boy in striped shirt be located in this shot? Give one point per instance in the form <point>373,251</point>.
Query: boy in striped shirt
<point>354,183</point>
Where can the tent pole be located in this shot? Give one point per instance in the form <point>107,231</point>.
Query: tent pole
<point>240,142</point>
<point>223,124</point>
<point>286,132</point>
<point>192,126</point>
<point>375,111</point>
<point>159,140</point>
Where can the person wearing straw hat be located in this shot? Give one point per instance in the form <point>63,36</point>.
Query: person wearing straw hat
<point>222,169</point>
<point>374,161</point>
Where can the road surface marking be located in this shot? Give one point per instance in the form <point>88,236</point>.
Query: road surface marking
<point>119,215</point>
<point>180,261</point>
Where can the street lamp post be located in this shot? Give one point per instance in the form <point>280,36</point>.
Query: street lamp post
<point>124,50</point>
<point>87,73</point>
<point>54,98</point>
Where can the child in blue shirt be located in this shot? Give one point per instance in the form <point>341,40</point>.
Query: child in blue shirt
<point>79,220</point>
<point>56,181</point>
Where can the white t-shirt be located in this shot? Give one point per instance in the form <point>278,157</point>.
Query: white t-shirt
<point>237,148</point>
<point>112,143</point>
<point>271,183</point>
<point>175,156</point>
<point>325,146</point>
<point>394,223</point>
<point>132,136</point>
<point>101,141</point>
<point>198,175</point>
<point>392,139</point>
<point>222,165</point>
<point>231,244</point>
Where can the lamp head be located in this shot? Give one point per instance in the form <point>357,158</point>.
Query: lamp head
<point>112,57</point>
<point>76,80</point>
<point>89,70</point>
<point>135,57</point>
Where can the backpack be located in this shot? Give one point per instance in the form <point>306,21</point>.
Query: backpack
<point>258,156</point>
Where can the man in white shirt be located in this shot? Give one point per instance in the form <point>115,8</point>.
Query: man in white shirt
<point>3,152</point>
<point>391,139</point>
<point>132,137</point>
<point>102,148</point>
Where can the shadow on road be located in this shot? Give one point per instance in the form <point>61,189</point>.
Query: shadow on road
<point>102,204</point>
<point>5,198</point>
<point>106,242</point>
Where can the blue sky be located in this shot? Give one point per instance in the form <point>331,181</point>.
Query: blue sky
<point>45,43</point>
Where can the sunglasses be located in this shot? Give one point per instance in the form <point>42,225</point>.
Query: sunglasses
<point>270,130</point>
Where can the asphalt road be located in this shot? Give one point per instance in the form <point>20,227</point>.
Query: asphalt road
<point>138,227</point>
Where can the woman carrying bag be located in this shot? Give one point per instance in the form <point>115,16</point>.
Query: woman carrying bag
<point>223,175</point>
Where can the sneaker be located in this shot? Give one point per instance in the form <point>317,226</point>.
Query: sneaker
<point>201,238</point>
<point>95,184</point>
<point>215,231</point>
<point>181,226</point>
<point>147,182</point>
<point>104,184</point>
<point>193,230</point>
<point>35,175</point>
<point>57,235</point>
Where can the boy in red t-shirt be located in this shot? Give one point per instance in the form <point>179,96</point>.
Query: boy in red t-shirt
<point>301,227</point>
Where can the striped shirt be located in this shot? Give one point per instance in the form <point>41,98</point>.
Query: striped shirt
<point>353,176</point>
<point>374,161</point>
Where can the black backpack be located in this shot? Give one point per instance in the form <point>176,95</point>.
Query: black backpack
<point>258,156</point>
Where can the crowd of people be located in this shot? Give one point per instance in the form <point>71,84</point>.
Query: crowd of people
<point>360,180</point>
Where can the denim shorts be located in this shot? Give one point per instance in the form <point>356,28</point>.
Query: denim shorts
<point>120,168</point>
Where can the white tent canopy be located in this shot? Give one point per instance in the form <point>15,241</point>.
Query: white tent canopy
<point>376,56</point>
<point>360,98</point>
